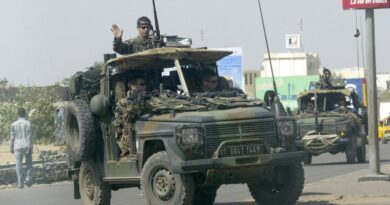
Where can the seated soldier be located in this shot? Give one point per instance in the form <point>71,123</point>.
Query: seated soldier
<point>137,84</point>
<point>209,81</point>
<point>309,107</point>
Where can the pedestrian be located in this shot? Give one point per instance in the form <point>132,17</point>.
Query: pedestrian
<point>22,146</point>
<point>137,44</point>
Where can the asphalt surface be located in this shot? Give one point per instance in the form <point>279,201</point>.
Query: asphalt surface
<point>323,167</point>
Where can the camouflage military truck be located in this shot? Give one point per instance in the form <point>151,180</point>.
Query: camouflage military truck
<point>328,121</point>
<point>175,143</point>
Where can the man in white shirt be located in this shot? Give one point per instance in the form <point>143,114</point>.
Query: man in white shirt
<point>22,146</point>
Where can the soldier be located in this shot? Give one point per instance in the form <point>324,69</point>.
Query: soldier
<point>209,81</point>
<point>136,85</point>
<point>21,146</point>
<point>137,44</point>
<point>325,79</point>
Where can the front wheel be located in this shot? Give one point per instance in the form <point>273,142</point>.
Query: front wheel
<point>93,190</point>
<point>350,151</point>
<point>361,152</point>
<point>308,159</point>
<point>161,186</point>
<point>284,188</point>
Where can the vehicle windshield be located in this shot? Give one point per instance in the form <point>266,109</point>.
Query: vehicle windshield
<point>326,102</point>
<point>187,86</point>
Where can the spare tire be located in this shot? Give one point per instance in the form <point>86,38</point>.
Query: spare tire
<point>80,130</point>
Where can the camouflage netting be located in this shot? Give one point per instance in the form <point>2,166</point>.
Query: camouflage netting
<point>51,167</point>
<point>128,110</point>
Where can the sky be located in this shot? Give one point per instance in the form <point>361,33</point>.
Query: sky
<point>45,41</point>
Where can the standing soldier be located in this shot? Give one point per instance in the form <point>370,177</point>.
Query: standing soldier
<point>22,146</point>
<point>137,44</point>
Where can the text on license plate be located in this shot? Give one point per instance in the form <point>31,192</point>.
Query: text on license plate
<point>239,150</point>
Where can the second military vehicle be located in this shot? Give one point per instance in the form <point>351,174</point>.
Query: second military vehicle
<point>176,143</point>
<point>328,122</point>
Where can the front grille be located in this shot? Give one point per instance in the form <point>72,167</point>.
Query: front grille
<point>323,127</point>
<point>264,129</point>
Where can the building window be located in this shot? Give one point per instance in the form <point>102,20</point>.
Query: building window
<point>246,79</point>
<point>250,78</point>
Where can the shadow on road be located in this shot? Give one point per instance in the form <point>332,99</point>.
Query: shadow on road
<point>314,203</point>
<point>317,202</point>
<point>333,163</point>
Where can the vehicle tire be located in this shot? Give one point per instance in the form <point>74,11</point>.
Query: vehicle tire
<point>351,151</point>
<point>160,186</point>
<point>383,140</point>
<point>205,195</point>
<point>80,130</point>
<point>361,152</point>
<point>93,190</point>
<point>284,188</point>
<point>308,158</point>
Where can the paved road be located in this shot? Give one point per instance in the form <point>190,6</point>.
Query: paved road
<point>324,166</point>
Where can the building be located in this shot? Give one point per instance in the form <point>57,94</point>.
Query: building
<point>291,64</point>
<point>250,82</point>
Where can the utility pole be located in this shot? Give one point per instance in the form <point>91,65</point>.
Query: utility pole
<point>372,94</point>
<point>374,163</point>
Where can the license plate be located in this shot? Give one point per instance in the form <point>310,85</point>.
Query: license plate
<point>241,150</point>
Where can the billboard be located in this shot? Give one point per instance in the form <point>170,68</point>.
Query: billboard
<point>360,86</point>
<point>288,87</point>
<point>365,4</point>
<point>231,67</point>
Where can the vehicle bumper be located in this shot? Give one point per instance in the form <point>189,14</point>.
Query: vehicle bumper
<point>318,144</point>
<point>243,161</point>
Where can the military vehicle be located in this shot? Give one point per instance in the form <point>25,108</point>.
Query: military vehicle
<point>175,143</point>
<point>328,121</point>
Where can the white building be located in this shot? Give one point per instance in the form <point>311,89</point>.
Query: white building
<point>291,64</point>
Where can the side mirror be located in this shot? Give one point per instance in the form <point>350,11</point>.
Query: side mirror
<point>269,97</point>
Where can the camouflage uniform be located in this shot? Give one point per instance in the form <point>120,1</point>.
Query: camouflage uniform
<point>130,46</point>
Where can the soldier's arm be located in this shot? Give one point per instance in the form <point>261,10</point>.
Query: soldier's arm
<point>122,47</point>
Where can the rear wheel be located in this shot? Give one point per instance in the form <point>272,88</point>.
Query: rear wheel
<point>161,186</point>
<point>284,188</point>
<point>93,190</point>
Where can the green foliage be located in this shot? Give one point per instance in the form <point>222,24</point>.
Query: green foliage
<point>39,104</point>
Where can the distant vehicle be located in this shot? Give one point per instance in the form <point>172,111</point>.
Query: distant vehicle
<point>328,121</point>
<point>384,131</point>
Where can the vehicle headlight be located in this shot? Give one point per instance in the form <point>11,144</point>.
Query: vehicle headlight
<point>287,131</point>
<point>287,128</point>
<point>190,139</point>
<point>342,129</point>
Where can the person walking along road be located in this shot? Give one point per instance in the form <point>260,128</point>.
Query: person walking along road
<point>22,146</point>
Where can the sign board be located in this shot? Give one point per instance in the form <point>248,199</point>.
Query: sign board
<point>288,87</point>
<point>231,67</point>
<point>293,41</point>
<point>365,4</point>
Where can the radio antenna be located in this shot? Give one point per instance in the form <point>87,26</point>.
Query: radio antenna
<point>158,36</point>
<point>268,52</point>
